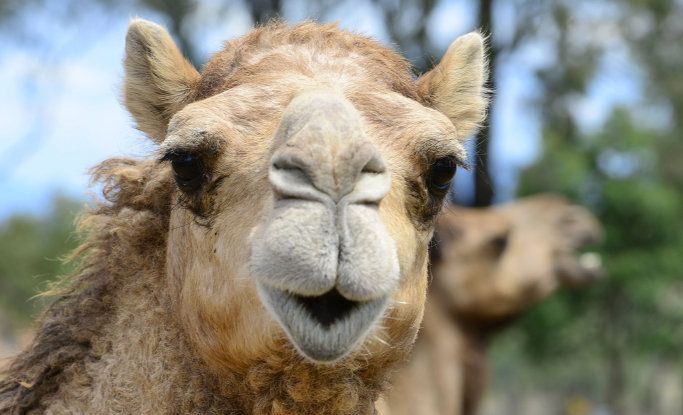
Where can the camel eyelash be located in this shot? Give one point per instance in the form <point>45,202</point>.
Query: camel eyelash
<point>174,153</point>
<point>456,159</point>
<point>189,170</point>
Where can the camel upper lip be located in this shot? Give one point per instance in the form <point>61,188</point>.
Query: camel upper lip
<point>323,328</point>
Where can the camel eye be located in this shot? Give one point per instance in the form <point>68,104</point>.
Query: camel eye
<point>441,174</point>
<point>188,170</point>
<point>499,244</point>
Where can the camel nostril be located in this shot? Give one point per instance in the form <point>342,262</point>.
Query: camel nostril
<point>374,166</point>
<point>294,177</point>
<point>292,173</point>
<point>588,239</point>
<point>328,308</point>
<point>291,178</point>
<point>570,220</point>
<point>289,164</point>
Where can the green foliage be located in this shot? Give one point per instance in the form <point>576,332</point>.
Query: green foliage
<point>635,313</point>
<point>642,211</point>
<point>31,249</point>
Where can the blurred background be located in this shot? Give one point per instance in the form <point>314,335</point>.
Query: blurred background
<point>588,103</point>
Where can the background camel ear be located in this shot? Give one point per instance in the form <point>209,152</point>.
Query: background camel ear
<point>456,85</point>
<point>158,80</point>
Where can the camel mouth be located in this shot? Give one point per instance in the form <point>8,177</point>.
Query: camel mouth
<point>579,264</point>
<point>323,328</point>
<point>578,269</point>
<point>328,308</point>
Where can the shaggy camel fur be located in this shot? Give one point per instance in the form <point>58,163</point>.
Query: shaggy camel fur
<point>490,266</point>
<point>271,258</point>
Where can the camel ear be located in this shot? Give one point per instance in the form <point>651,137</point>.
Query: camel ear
<point>455,86</point>
<point>158,80</point>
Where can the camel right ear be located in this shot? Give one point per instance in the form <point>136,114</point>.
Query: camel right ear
<point>158,80</point>
<point>456,85</point>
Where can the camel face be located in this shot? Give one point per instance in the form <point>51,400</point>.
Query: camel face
<point>308,215</point>
<point>495,263</point>
<point>309,168</point>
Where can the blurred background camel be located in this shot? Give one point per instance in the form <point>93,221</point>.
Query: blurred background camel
<point>488,267</point>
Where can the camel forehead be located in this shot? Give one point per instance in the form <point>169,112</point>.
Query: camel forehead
<point>541,202</point>
<point>475,226</point>
<point>261,72</point>
<point>430,131</point>
<point>536,211</point>
<point>315,51</point>
<point>385,116</point>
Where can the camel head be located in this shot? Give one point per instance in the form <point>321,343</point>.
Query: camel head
<point>494,263</point>
<point>309,167</point>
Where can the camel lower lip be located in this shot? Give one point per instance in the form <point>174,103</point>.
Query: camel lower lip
<point>590,260</point>
<point>323,328</point>
<point>577,270</point>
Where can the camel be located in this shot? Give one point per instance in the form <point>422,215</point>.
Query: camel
<point>271,256</point>
<point>489,266</point>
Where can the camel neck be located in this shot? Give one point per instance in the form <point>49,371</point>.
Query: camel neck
<point>138,357</point>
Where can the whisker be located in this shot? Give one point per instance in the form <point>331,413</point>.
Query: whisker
<point>379,339</point>
<point>392,318</point>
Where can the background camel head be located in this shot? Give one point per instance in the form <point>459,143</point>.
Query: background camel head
<point>309,167</point>
<point>494,263</point>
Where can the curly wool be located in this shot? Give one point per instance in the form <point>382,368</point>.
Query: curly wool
<point>119,233</point>
<point>108,342</point>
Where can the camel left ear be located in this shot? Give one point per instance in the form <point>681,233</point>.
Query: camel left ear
<point>455,86</point>
<point>158,80</point>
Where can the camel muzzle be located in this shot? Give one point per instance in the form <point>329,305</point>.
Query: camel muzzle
<point>324,261</point>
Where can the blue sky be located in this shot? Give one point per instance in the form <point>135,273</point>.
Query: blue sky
<point>63,113</point>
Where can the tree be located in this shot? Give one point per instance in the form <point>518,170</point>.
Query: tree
<point>406,22</point>
<point>31,253</point>
<point>626,171</point>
